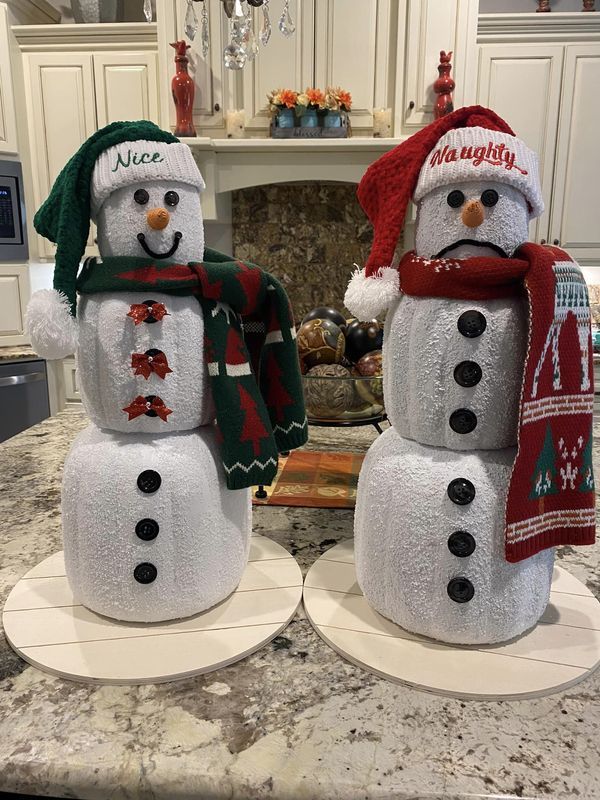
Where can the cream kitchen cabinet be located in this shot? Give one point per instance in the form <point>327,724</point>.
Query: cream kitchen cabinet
<point>522,83</point>
<point>70,95</point>
<point>8,125</point>
<point>427,27</point>
<point>543,80</point>
<point>14,296</point>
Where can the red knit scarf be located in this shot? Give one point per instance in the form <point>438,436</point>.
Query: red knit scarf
<point>551,496</point>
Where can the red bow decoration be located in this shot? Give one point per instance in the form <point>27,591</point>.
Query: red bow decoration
<point>142,405</point>
<point>145,364</point>
<point>140,312</point>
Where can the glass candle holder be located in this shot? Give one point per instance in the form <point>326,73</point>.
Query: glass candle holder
<point>382,122</point>
<point>235,124</point>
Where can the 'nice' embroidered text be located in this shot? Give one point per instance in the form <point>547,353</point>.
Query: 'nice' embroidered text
<point>136,158</point>
<point>496,154</point>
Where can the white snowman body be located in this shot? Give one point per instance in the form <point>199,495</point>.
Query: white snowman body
<point>150,530</point>
<point>429,523</point>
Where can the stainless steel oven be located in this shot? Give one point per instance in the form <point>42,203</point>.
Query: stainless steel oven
<point>13,228</point>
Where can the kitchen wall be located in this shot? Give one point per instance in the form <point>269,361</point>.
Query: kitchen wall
<point>307,234</point>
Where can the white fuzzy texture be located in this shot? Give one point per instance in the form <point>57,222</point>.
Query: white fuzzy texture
<point>121,219</point>
<point>202,546</point>
<point>422,346</point>
<point>52,329</point>
<point>117,167</point>
<point>107,339</point>
<point>482,163</point>
<point>366,297</point>
<point>402,523</point>
<point>438,225</point>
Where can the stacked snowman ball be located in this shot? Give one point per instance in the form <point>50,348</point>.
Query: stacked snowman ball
<point>341,361</point>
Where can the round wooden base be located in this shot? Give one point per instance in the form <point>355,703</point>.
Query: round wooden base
<point>46,627</point>
<point>560,651</point>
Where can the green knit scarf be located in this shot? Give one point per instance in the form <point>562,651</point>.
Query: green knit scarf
<point>249,347</point>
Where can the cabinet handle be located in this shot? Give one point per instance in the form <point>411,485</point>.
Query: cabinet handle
<point>556,241</point>
<point>411,105</point>
<point>542,241</point>
<point>217,107</point>
<point>15,380</point>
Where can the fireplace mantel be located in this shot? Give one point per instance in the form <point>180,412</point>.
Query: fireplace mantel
<point>230,164</point>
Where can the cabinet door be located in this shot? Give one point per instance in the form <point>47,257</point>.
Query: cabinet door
<point>353,51</point>
<point>14,296</point>
<point>575,219</point>
<point>61,116</point>
<point>126,86</point>
<point>522,82</point>
<point>432,26</point>
<point>283,63</point>
<point>8,127</point>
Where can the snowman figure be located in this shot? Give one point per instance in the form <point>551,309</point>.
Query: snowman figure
<point>487,385</point>
<point>155,501</point>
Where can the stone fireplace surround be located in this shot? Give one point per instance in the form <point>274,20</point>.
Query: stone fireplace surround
<point>291,207</point>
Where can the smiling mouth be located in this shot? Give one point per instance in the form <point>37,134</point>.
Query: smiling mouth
<point>177,237</point>
<point>491,245</point>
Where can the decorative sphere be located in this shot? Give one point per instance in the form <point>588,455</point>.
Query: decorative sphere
<point>362,338</point>
<point>371,364</point>
<point>320,341</point>
<point>330,397</point>
<point>325,312</point>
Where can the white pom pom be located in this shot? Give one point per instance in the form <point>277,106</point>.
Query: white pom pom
<point>368,296</point>
<point>52,329</point>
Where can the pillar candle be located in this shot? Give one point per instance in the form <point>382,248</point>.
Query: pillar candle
<point>382,122</point>
<point>235,124</point>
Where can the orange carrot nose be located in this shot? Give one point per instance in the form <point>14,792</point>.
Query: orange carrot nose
<point>158,218</point>
<point>472,214</point>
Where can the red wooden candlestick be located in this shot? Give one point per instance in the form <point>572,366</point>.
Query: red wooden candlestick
<point>183,89</point>
<point>443,86</point>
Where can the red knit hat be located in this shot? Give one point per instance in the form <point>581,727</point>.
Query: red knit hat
<point>391,181</point>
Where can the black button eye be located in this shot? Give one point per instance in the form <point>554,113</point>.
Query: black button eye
<point>456,198</point>
<point>489,197</point>
<point>141,197</point>
<point>171,198</point>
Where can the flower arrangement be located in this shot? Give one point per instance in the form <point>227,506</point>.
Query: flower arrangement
<point>282,98</point>
<point>332,99</point>
<point>337,99</point>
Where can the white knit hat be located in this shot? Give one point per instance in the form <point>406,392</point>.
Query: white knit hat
<point>140,161</point>
<point>472,153</point>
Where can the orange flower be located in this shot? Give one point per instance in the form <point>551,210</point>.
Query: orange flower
<point>344,99</point>
<point>316,97</point>
<point>288,98</point>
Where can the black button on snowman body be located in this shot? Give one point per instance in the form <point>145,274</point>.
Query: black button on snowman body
<point>147,529</point>
<point>461,590</point>
<point>472,323</point>
<point>145,573</point>
<point>149,481</point>
<point>461,491</point>
<point>461,544</point>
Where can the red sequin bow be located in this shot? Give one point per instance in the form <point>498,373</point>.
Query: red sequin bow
<point>142,405</point>
<point>146,363</point>
<point>140,312</point>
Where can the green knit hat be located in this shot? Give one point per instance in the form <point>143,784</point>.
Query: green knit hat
<point>64,218</point>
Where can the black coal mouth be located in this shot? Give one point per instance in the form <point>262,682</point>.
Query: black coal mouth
<point>491,245</point>
<point>177,237</point>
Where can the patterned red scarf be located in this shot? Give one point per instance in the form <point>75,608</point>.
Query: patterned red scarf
<point>551,493</point>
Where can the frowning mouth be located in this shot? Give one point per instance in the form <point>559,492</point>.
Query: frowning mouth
<point>177,237</point>
<point>491,245</point>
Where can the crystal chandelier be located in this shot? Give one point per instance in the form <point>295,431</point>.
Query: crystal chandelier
<point>244,38</point>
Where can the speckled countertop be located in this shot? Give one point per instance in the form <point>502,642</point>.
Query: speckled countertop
<point>18,352</point>
<point>292,721</point>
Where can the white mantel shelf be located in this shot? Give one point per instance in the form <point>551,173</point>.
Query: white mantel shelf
<point>230,164</point>
<point>267,145</point>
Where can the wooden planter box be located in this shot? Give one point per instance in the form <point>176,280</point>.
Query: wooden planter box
<point>320,132</point>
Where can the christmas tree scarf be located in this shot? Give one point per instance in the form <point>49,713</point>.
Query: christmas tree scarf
<point>257,394</point>
<point>551,495</point>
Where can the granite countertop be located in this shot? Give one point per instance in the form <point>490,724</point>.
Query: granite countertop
<point>292,721</point>
<point>17,353</point>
